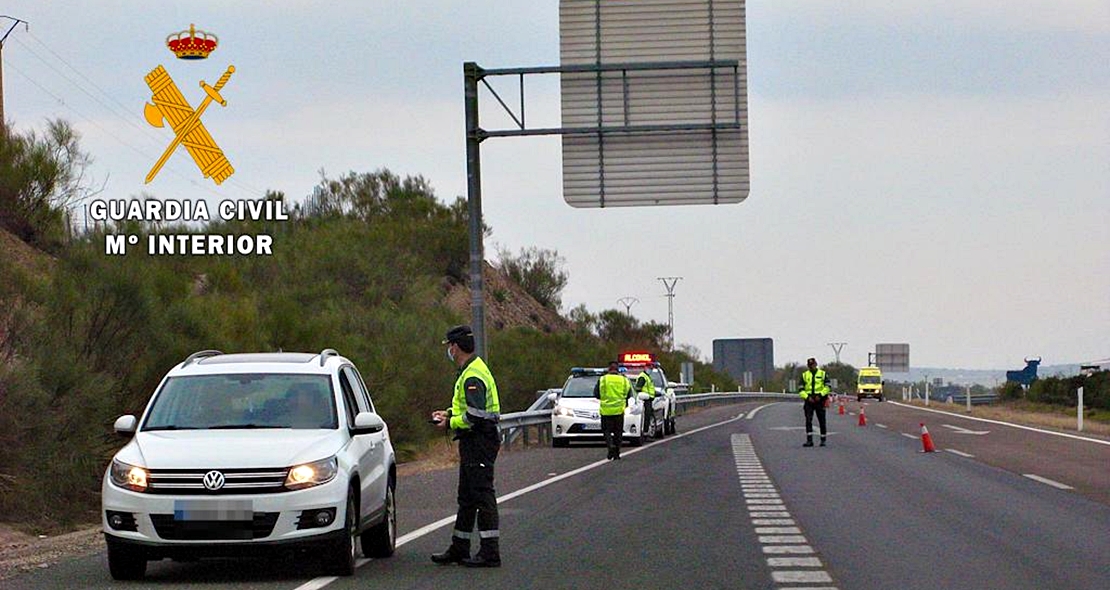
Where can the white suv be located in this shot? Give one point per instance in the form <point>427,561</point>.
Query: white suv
<point>238,453</point>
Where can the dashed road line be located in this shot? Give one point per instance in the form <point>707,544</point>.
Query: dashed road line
<point>908,435</point>
<point>1045,480</point>
<point>792,559</point>
<point>960,453</point>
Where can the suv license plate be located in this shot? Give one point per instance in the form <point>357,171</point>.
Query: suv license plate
<point>213,510</point>
<point>591,427</point>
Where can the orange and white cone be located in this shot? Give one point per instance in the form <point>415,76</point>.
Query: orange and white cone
<point>841,410</point>
<point>862,416</point>
<point>927,440</point>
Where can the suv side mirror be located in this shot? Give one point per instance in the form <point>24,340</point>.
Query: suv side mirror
<point>368,423</point>
<point>126,424</point>
<point>552,396</point>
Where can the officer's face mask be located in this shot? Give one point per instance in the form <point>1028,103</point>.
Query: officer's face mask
<point>450,355</point>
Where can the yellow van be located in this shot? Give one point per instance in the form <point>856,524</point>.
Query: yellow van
<point>870,383</point>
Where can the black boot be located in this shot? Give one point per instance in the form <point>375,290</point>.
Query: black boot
<point>822,441</point>
<point>809,441</point>
<point>456,553</point>
<point>489,555</point>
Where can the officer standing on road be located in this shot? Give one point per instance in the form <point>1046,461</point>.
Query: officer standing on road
<point>815,390</point>
<point>644,384</point>
<point>473,416</point>
<point>613,389</point>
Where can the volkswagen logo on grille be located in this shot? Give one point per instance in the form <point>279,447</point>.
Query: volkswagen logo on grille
<point>213,480</point>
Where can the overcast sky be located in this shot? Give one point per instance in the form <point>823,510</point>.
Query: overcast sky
<point>936,173</point>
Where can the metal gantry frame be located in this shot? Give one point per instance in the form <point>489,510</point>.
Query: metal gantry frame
<point>473,75</point>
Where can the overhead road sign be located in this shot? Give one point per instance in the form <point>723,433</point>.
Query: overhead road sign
<point>656,92</point>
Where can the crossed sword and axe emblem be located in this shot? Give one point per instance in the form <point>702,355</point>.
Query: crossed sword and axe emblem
<point>170,105</point>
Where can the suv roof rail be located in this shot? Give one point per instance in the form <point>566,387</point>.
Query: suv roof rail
<point>199,355</point>
<point>324,354</point>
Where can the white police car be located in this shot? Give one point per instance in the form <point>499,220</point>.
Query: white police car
<point>240,453</point>
<point>577,413</point>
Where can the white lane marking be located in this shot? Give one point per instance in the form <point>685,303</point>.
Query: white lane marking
<point>796,577</point>
<point>776,530</point>
<point>1050,482</point>
<point>317,583</point>
<point>908,435</point>
<point>752,413</point>
<point>785,539</point>
<point>1030,428</point>
<point>961,430</point>
<point>880,425</point>
<point>793,562</point>
<point>960,453</point>
<point>787,549</point>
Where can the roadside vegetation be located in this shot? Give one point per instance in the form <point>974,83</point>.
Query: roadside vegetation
<point>363,265</point>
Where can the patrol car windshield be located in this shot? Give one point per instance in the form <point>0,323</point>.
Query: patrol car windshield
<point>869,379</point>
<point>244,401</point>
<point>580,386</point>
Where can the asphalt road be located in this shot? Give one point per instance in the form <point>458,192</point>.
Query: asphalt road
<point>737,505</point>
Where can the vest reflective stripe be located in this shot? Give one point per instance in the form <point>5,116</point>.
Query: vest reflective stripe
<point>814,383</point>
<point>649,385</point>
<point>461,413</point>
<point>614,390</point>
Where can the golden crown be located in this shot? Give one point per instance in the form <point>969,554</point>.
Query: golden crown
<point>192,44</point>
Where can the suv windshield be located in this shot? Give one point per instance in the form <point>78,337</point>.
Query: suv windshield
<point>244,401</point>
<point>582,386</point>
<point>869,380</point>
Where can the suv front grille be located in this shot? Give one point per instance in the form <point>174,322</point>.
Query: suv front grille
<point>210,530</point>
<point>590,414</point>
<point>185,482</point>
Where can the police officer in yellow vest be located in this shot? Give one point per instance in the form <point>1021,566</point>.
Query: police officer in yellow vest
<point>473,416</point>
<point>644,384</point>
<point>815,390</point>
<point>613,389</point>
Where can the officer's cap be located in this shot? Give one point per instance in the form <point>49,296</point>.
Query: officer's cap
<point>458,334</point>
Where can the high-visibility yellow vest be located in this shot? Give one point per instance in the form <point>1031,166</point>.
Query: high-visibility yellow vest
<point>814,383</point>
<point>463,415</point>
<point>645,384</point>
<point>613,390</point>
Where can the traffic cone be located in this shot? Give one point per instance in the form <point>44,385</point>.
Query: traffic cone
<point>862,416</point>
<point>927,440</point>
<point>841,410</point>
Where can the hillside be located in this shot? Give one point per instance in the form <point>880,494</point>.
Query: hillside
<point>508,305</point>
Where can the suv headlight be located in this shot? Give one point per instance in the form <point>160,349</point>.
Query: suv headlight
<point>312,474</point>
<point>128,476</point>
<point>564,411</point>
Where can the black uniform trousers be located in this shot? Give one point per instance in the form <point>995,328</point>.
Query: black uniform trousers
<point>613,429</point>
<point>819,409</point>
<point>478,448</point>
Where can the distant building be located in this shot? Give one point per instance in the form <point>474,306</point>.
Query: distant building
<point>735,356</point>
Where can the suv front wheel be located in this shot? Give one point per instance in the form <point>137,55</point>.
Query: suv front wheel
<point>381,540</point>
<point>341,557</point>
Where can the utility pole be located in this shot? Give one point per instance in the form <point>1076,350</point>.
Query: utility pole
<point>669,283</point>
<point>628,302</point>
<point>2,39</point>
<point>837,347</point>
